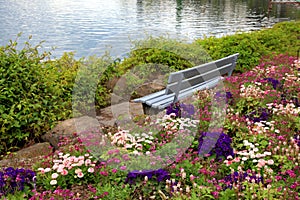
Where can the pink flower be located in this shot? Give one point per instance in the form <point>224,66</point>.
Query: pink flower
<point>60,168</point>
<point>64,172</point>
<point>215,194</point>
<point>278,178</point>
<point>270,162</point>
<point>212,173</point>
<point>104,173</point>
<point>228,162</point>
<point>42,170</point>
<point>291,173</point>
<point>123,168</point>
<point>192,177</point>
<point>80,175</point>
<point>91,170</point>
<point>81,157</point>
<point>236,159</point>
<point>261,163</point>
<point>80,163</point>
<point>77,171</point>
<point>293,186</point>
<point>114,170</point>
<point>88,162</point>
<point>54,175</point>
<point>203,171</point>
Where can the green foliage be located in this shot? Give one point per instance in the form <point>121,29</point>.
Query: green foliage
<point>114,191</point>
<point>91,89</point>
<point>30,103</point>
<point>251,46</point>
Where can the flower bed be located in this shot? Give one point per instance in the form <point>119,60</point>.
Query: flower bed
<point>254,156</point>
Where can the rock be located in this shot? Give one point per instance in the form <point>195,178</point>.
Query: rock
<point>125,111</point>
<point>148,88</point>
<point>27,156</point>
<point>68,128</point>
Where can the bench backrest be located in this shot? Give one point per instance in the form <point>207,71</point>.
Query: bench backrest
<point>187,78</point>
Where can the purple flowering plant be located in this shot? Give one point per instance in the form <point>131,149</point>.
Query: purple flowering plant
<point>181,110</point>
<point>221,147</point>
<point>13,180</point>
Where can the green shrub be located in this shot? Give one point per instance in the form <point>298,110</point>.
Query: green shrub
<point>92,88</point>
<point>282,38</point>
<point>30,102</point>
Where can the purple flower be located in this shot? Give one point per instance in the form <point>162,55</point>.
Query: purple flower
<point>261,114</point>
<point>275,83</point>
<point>174,108</point>
<point>295,101</point>
<point>159,174</point>
<point>187,110</point>
<point>227,96</point>
<point>297,138</point>
<point>220,146</point>
<point>181,110</point>
<point>238,177</point>
<point>12,180</point>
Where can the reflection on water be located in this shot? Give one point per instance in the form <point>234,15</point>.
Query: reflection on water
<point>91,26</point>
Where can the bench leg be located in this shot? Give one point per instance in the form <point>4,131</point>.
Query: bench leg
<point>148,110</point>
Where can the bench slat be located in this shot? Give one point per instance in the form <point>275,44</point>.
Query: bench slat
<point>202,78</point>
<point>185,93</point>
<point>175,76</point>
<point>150,96</point>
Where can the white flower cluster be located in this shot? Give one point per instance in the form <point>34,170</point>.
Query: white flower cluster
<point>262,127</point>
<point>251,154</point>
<point>297,65</point>
<point>280,109</point>
<point>171,123</point>
<point>124,139</point>
<point>251,91</point>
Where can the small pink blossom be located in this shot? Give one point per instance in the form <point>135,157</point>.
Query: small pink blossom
<point>91,170</point>
<point>270,162</point>
<point>261,163</point>
<point>64,172</point>
<point>80,175</point>
<point>104,173</point>
<point>77,171</point>
<point>88,162</point>
<point>54,175</point>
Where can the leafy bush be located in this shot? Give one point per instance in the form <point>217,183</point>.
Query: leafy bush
<point>92,88</point>
<point>282,38</point>
<point>30,102</point>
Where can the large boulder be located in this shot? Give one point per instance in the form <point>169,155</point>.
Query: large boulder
<point>69,128</point>
<point>28,156</point>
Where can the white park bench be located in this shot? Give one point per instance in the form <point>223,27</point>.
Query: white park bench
<point>184,83</point>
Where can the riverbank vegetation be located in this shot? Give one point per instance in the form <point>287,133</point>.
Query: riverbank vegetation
<point>255,156</point>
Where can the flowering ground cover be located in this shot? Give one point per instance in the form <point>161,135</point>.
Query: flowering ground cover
<point>255,155</point>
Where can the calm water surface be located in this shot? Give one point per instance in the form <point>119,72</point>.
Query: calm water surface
<point>93,26</point>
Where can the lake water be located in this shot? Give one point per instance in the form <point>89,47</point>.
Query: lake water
<point>93,26</point>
